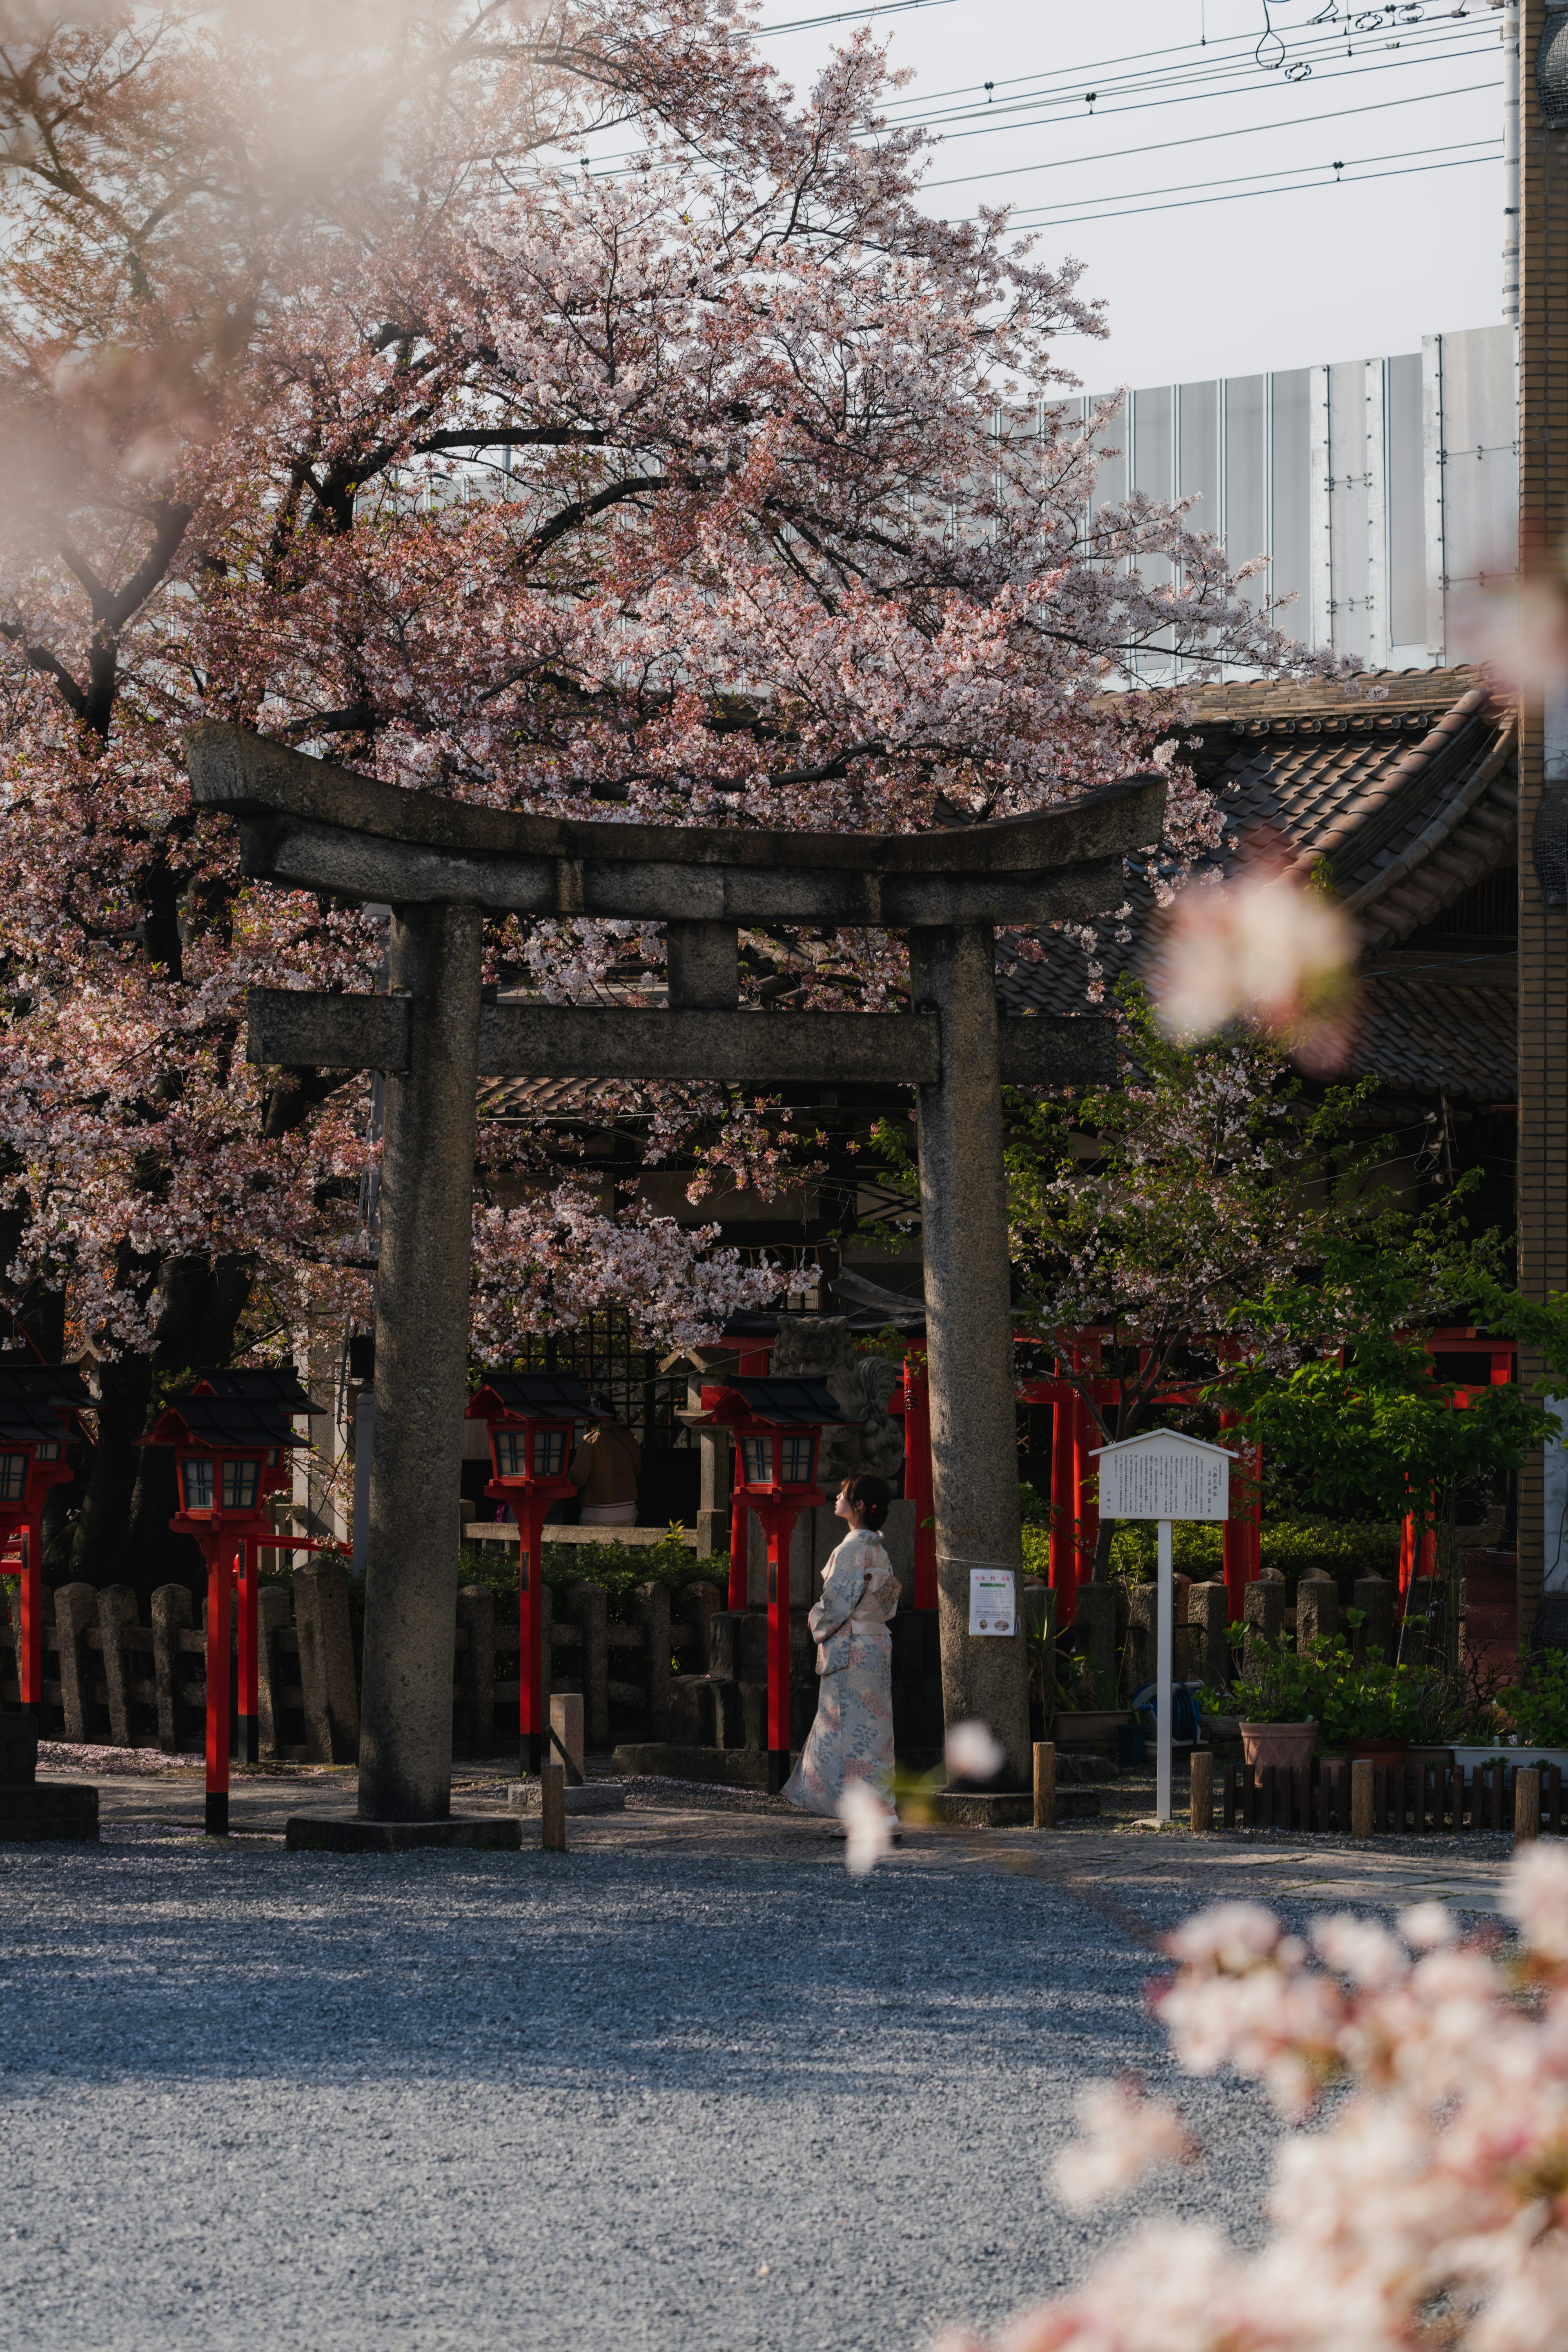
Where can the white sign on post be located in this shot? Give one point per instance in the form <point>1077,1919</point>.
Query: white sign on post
<point>993,1601</point>
<point>1165,1475</point>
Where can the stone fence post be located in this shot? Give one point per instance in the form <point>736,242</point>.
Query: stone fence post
<point>116,1611</point>
<point>171,1618</point>
<point>1208,1644</point>
<point>653,1616</point>
<point>75,1609</point>
<point>1373,1595</point>
<point>699,1604</point>
<point>274,1609</point>
<point>590,1607</point>
<point>1142,1608</point>
<point>1263,1614</point>
<point>1317,1610</point>
<point>327,1660</point>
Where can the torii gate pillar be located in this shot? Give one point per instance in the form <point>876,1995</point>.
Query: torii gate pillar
<point>421,1369</point>
<point>969,1335</point>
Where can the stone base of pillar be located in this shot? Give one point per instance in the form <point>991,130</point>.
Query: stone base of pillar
<point>1011,1809</point>
<point>726,1767</point>
<point>52,1811</point>
<point>347,1834</point>
<point>593,1797</point>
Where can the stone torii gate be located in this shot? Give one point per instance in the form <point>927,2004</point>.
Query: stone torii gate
<point>442,866</point>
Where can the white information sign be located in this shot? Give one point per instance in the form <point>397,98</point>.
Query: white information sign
<point>1163,1476</point>
<point>993,1601</point>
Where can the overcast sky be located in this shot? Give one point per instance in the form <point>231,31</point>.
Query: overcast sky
<point>1204,278</point>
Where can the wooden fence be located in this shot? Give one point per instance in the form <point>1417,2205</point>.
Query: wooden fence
<point>112,1681</point>
<point>1373,1799</point>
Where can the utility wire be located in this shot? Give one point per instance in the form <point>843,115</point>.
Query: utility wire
<point>1142,105</point>
<point>616,167</point>
<point>1133,211</point>
<point>1061,87</point>
<point>1204,138</point>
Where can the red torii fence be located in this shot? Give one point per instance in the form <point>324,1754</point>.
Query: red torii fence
<point>1418,1552</point>
<point>1074,1513</point>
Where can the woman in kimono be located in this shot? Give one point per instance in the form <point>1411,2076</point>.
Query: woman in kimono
<point>852,1738</point>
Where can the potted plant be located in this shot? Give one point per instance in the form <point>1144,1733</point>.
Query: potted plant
<point>1372,1710</point>
<point>1085,1713</point>
<point>1279,1702</point>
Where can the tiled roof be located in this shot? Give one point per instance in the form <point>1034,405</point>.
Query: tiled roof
<point>1411,797</point>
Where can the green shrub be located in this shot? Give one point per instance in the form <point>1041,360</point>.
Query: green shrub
<point>1198,1549</point>
<point>1538,1702</point>
<point>618,1568</point>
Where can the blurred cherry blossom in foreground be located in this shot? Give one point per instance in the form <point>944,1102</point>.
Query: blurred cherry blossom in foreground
<point>1268,947</point>
<point>868,1824</point>
<point>972,1753</point>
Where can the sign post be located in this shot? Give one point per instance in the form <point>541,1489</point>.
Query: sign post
<point>1163,1476</point>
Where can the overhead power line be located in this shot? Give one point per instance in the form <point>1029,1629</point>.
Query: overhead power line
<point>1063,87</point>
<point>1133,208</point>
<point>1144,105</point>
<point>1204,138</point>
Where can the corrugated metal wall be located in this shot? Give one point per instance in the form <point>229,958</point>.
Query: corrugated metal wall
<point>1384,493</point>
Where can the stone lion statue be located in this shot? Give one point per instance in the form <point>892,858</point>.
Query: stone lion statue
<point>819,1347</point>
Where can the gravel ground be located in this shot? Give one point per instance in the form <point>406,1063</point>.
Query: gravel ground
<point>618,2101</point>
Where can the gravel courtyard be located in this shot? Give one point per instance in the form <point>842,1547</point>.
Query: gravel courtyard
<point>635,2096</point>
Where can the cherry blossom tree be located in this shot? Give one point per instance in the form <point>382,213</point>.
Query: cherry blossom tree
<point>537,404</point>
<point>1424,2209</point>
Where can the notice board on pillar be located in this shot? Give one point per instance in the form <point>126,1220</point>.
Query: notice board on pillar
<point>1163,1474</point>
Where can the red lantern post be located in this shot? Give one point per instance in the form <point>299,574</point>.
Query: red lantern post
<point>778,1427</point>
<point>275,1388</point>
<point>918,1477</point>
<point>531,1418</point>
<point>223,1448</point>
<point>39,1405</point>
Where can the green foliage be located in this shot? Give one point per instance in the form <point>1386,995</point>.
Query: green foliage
<point>1344,1547</point>
<point>1326,1687</point>
<point>1034,1508</point>
<point>1280,1686</point>
<point>1374,1701</point>
<point>1538,1701</point>
<point>1373,1422</point>
<point>619,1568</point>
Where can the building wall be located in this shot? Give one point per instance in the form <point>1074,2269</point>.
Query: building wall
<point>1543,944</point>
<point>1384,492</point>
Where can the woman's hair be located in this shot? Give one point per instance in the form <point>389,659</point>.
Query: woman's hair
<point>873,1496</point>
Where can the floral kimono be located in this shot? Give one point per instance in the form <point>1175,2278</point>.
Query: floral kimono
<point>852,1738</point>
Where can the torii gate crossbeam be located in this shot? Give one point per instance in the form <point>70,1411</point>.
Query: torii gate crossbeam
<point>442,865</point>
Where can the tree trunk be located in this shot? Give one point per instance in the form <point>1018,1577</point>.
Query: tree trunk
<point>122,1533</point>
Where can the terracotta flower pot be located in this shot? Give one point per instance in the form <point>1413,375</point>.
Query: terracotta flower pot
<point>1287,1743</point>
<point>1379,1750</point>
